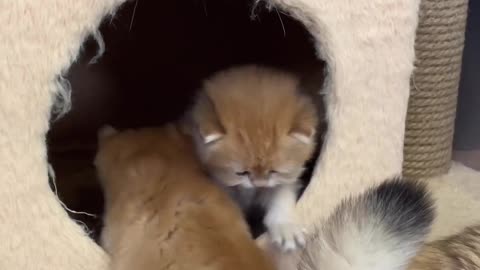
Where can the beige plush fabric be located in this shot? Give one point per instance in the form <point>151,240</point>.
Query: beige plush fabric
<point>367,44</point>
<point>38,40</point>
<point>369,48</point>
<point>457,196</point>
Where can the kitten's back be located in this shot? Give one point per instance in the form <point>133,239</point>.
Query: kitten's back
<point>162,212</point>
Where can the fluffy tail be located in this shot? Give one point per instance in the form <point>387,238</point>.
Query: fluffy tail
<point>380,230</point>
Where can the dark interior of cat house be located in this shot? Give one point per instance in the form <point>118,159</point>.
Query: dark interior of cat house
<point>156,55</point>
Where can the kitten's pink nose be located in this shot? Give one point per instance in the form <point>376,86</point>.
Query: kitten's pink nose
<point>259,177</point>
<point>260,173</point>
<point>260,182</point>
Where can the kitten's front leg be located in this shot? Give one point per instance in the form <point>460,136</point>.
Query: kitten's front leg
<point>280,218</point>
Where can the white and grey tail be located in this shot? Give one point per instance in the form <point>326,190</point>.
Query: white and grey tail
<point>379,230</point>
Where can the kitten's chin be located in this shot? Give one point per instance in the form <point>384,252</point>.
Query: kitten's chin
<point>267,184</point>
<point>247,184</point>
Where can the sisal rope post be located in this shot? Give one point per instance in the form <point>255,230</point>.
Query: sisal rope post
<point>434,87</point>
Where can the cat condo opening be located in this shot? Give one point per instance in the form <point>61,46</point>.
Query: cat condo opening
<point>156,55</point>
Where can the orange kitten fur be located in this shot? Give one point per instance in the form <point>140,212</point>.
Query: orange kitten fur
<point>254,131</point>
<point>459,251</point>
<point>162,212</point>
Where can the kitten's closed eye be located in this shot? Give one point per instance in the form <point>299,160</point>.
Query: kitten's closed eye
<point>243,173</point>
<point>247,173</point>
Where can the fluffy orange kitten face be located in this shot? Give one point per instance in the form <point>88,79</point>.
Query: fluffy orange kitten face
<point>254,127</point>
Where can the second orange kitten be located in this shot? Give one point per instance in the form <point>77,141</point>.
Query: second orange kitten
<point>162,211</point>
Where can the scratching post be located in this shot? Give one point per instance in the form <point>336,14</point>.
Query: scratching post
<point>434,87</point>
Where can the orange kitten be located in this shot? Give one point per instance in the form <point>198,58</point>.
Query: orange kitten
<point>254,131</point>
<point>162,212</point>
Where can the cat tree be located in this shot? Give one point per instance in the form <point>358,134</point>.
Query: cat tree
<point>368,45</point>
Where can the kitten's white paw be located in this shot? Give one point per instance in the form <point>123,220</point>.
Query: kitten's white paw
<point>287,235</point>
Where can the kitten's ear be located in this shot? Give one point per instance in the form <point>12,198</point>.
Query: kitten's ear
<point>206,120</point>
<point>304,124</point>
<point>106,132</point>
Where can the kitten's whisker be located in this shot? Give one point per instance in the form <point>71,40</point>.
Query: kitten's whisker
<point>133,15</point>
<point>281,22</point>
<point>205,8</point>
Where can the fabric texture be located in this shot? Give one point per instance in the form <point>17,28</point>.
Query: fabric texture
<point>38,41</point>
<point>457,198</point>
<point>369,50</point>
